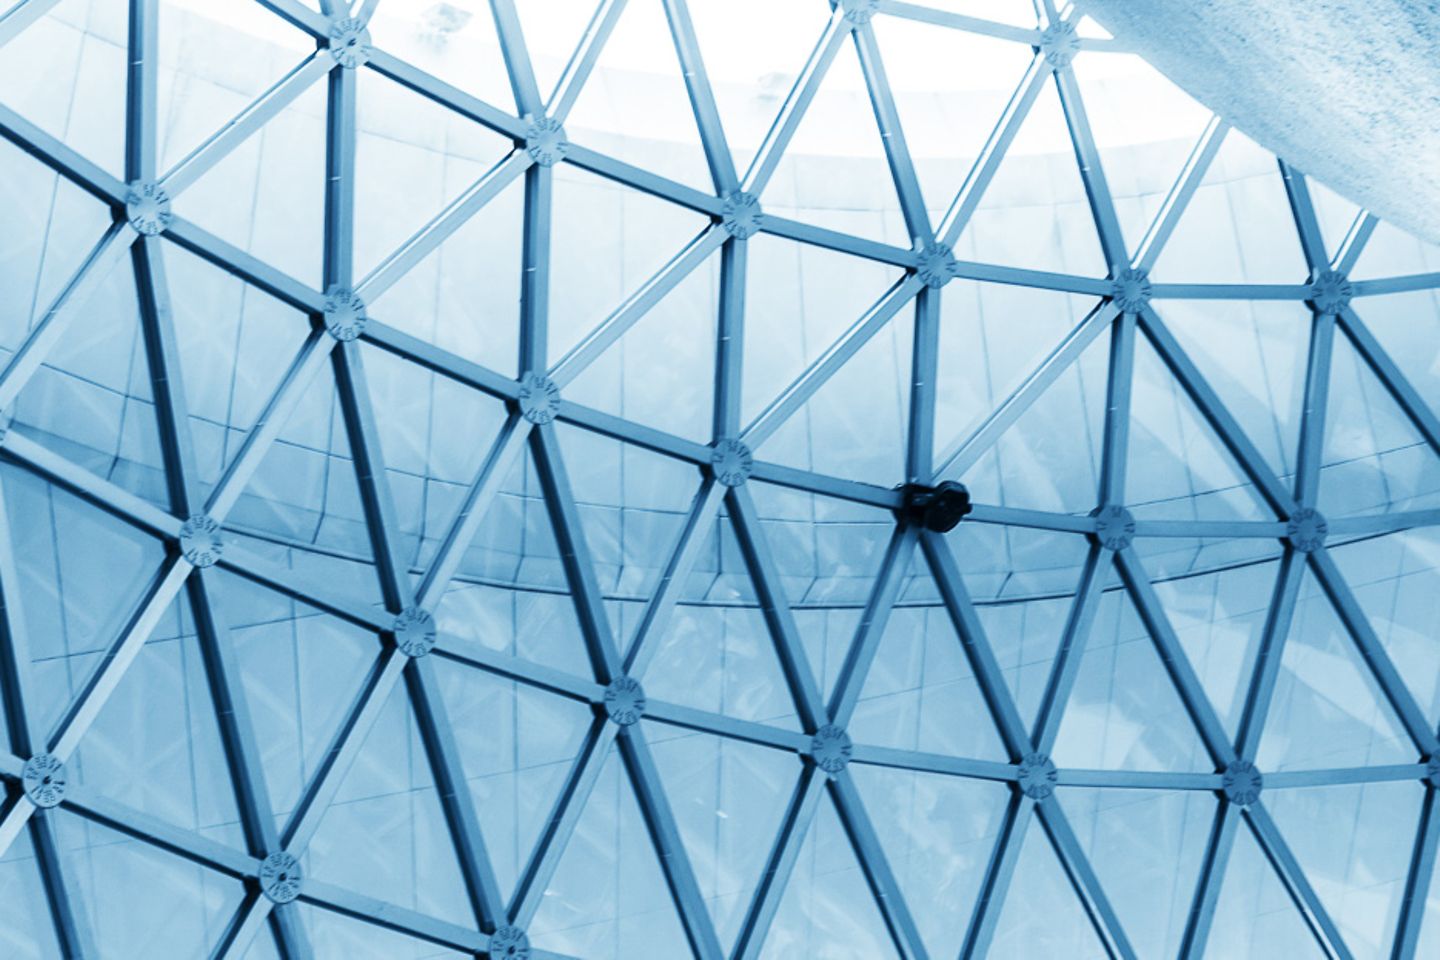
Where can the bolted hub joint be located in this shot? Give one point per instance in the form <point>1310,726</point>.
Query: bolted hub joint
<point>859,11</point>
<point>545,140</point>
<point>539,398</point>
<point>1330,292</point>
<point>414,631</point>
<point>1114,527</point>
<point>349,42</point>
<point>935,265</point>
<point>280,877</point>
<point>740,215</point>
<point>508,943</point>
<point>1306,530</point>
<point>43,779</point>
<point>345,315</point>
<point>625,700</point>
<point>1242,783</point>
<point>200,542</point>
<point>1059,44</point>
<point>939,508</point>
<point>730,462</point>
<point>1038,776</point>
<point>147,208</point>
<point>831,749</point>
<point>1130,290</point>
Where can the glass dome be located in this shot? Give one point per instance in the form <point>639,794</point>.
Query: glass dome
<point>460,476</point>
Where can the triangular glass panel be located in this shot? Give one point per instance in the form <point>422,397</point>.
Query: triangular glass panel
<point>1401,323</point>
<point>1049,457</point>
<point>827,909</point>
<point>1145,128</point>
<point>552,35</point>
<point>180,909</point>
<point>300,670</point>
<point>834,172</point>
<point>1354,843</point>
<point>280,172</point>
<point>82,573</point>
<point>384,833</point>
<point>413,157</point>
<point>1393,580</point>
<point>635,106</point>
<point>921,694</point>
<point>1124,712</point>
<point>198,91</point>
<point>606,242</point>
<point>1146,847</point>
<point>464,296</point>
<point>305,487</point>
<point>1327,709</point>
<point>156,744</point>
<point>633,504</point>
<point>26,929</point>
<point>91,401</point>
<point>800,299</point>
<point>724,796</point>
<point>1237,228</point>
<point>456,43</point>
<point>429,463</point>
<point>1041,915</point>
<point>948,115</point>
<point>82,101</point>
<point>1391,252</point>
<point>937,833</point>
<point>855,424</point>
<point>608,897</point>
<point>1035,214</point>
<point>1375,459</point>
<point>1254,355</point>
<point>752,77</point>
<point>54,226</point>
<point>235,343</point>
<point>984,356</point>
<point>1254,915</point>
<point>1177,466</point>
<point>1219,617</point>
<point>335,935</point>
<point>661,373</point>
<point>517,745</point>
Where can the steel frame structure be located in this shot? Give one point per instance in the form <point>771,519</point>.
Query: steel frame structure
<point>1128,305</point>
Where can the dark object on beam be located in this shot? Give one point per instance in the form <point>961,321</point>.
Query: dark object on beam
<point>939,508</point>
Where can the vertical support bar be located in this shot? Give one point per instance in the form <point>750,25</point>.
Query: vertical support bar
<point>1114,457</point>
<point>340,179</point>
<point>799,814</point>
<point>924,364</point>
<point>999,870</point>
<point>730,338</point>
<point>897,152</point>
<point>888,581</point>
<point>1312,417</point>
<point>1306,223</point>
<point>1267,658</point>
<point>1207,885</point>
<point>535,278</point>
<point>1072,648</point>
<point>1417,880</point>
<point>702,98</point>
<point>517,58</point>
<point>141,103</point>
<point>1084,880</point>
<point>1087,154</point>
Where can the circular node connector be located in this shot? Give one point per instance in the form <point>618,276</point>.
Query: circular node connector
<point>1114,527</point>
<point>859,11</point>
<point>1242,783</point>
<point>508,943</point>
<point>43,778</point>
<point>539,398</point>
<point>280,877</point>
<point>1330,292</point>
<point>935,265</point>
<point>1059,44</point>
<point>625,700</point>
<point>731,462</point>
<point>349,42</point>
<point>1306,530</point>
<point>414,631</point>
<point>1038,776</point>
<point>740,215</point>
<point>545,141</point>
<point>345,315</point>
<point>1131,290</point>
<point>147,208</point>
<point>200,542</point>
<point>831,748</point>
